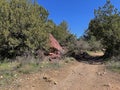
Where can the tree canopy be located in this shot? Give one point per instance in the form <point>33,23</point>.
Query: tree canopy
<point>106,27</point>
<point>25,27</point>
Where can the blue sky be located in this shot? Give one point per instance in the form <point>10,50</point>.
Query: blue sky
<point>77,13</point>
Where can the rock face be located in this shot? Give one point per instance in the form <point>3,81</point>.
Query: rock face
<point>55,48</point>
<point>54,43</point>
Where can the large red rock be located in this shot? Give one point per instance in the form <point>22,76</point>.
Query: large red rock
<point>54,43</point>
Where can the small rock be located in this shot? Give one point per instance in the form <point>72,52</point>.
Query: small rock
<point>1,77</point>
<point>107,85</point>
<point>15,75</point>
<point>47,79</point>
<point>104,73</point>
<point>33,85</point>
<point>80,74</point>
<point>44,77</point>
<point>27,78</point>
<point>50,80</point>
<point>55,83</point>
<point>100,74</point>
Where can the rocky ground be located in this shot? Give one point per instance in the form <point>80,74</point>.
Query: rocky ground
<point>73,76</point>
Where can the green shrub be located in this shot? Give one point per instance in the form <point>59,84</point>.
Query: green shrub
<point>114,64</point>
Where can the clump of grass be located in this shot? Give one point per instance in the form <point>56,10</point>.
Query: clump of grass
<point>6,77</point>
<point>114,63</point>
<point>29,68</point>
<point>68,59</point>
<point>50,65</point>
<point>8,65</point>
<point>7,72</point>
<point>114,66</point>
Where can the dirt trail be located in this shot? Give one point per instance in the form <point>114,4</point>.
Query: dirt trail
<point>89,77</point>
<point>76,76</point>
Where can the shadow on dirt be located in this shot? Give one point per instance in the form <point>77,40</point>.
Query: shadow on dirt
<point>86,58</point>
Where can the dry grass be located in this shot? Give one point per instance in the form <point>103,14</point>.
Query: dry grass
<point>94,54</point>
<point>11,70</point>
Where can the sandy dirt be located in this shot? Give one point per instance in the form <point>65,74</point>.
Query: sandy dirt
<point>74,76</point>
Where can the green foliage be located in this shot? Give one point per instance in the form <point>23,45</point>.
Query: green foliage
<point>78,47</point>
<point>106,28</point>
<point>22,27</point>
<point>114,65</point>
<point>94,45</point>
<point>82,44</point>
<point>25,28</point>
<point>61,33</point>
